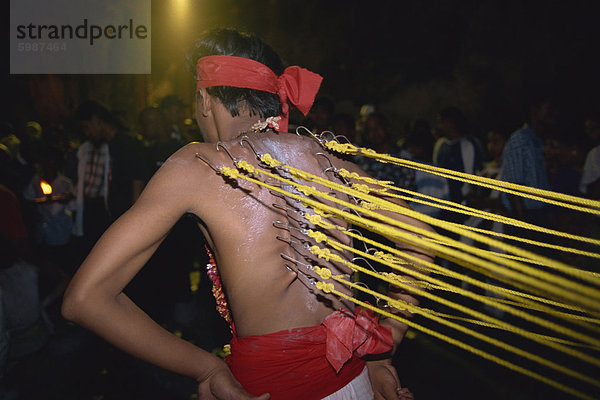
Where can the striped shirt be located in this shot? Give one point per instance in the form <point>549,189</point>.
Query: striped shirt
<point>523,163</point>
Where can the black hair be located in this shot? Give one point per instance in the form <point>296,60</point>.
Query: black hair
<point>537,96</point>
<point>234,43</point>
<point>418,139</point>
<point>89,109</point>
<point>383,120</point>
<point>501,130</point>
<point>456,116</point>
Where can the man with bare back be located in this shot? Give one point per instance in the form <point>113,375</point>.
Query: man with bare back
<point>288,338</point>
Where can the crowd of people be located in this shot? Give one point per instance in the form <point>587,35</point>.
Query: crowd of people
<point>59,192</point>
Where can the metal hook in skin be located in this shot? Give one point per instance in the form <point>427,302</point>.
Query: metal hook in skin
<point>368,250</point>
<point>208,162</point>
<point>291,242</point>
<point>293,260</point>
<point>359,233</point>
<point>352,210</point>
<point>313,281</point>
<point>324,133</point>
<point>246,139</point>
<point>342,136</point>
<point>334,169</point>
<point>377,299</point>
<point>289,209</point>
<point>276,194</point>
<point>273,182</point>
<point>331,166</point>
<point>315,137</point>
<point>282,196</point>
<point>235,160</point>
<point>281,225</point>
<point>368,263</point>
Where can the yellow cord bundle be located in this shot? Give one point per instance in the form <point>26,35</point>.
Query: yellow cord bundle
<point>561,300</point>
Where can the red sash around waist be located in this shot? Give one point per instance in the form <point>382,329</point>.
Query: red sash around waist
<point>308,363</point>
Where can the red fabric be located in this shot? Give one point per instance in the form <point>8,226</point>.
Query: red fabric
<point>360,334</point>
<point>308,363</point>
<point>296,84</point>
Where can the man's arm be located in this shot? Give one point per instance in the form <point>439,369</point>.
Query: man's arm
<point>95,299</point>
<point>137,186</point>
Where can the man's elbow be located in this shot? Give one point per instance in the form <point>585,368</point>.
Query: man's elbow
<point>74,305</point>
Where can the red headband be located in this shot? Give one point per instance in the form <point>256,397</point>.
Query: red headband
<point>298,85</point>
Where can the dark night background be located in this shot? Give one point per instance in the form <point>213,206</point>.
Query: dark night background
<point>410,59</point>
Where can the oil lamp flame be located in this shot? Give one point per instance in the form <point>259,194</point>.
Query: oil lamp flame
<point>46,188</point>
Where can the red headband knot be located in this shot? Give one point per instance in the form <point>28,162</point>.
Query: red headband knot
<point>296,84</point>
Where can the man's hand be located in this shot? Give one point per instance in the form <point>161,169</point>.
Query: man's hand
<point>221,385</point>
<point>385,382</point>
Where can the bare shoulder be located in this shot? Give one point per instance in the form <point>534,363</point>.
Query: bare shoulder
<point>183,178</point>
<point>184,163</point>
<point>185,157</point>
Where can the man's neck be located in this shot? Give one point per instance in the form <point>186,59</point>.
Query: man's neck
<point>233,127</point>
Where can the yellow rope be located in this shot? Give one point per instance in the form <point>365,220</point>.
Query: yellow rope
<point>522,298</point>
<point>565,331</point>
<point>538,244</point>
<point>384,204</point>
<point>426,243</point>
<point>493,326</point>
<point>585,321</point>
<point>462,345</point>
<point>401,305</point>
<point>412,308</point>
<point>517,189</point>
<point>465,278</point>
<point>466,210</point>
<point>469,294</point>
<point>432,221</point>
<point>573,295</point>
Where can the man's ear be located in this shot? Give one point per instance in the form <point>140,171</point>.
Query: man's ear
<point>204,101</point>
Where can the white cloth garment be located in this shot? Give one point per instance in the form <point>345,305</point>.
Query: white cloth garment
<point>358,389</point>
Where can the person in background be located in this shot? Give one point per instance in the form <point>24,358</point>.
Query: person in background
<point>109,174</point>
<point>487,200</point>
<point>523,160</point>
<point>172,108</point>
<point>344,125</point>
<point>52,193</point>
<point>159,141</point>
<point>462,153</point>
<point>590,179</point>
<point>419,147</point>
<point>321,115</point>
<point>379,137</point>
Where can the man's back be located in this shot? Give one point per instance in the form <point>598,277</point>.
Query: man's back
<point>523,163</point>
<point>259,239</point>
<point>254,233</point>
